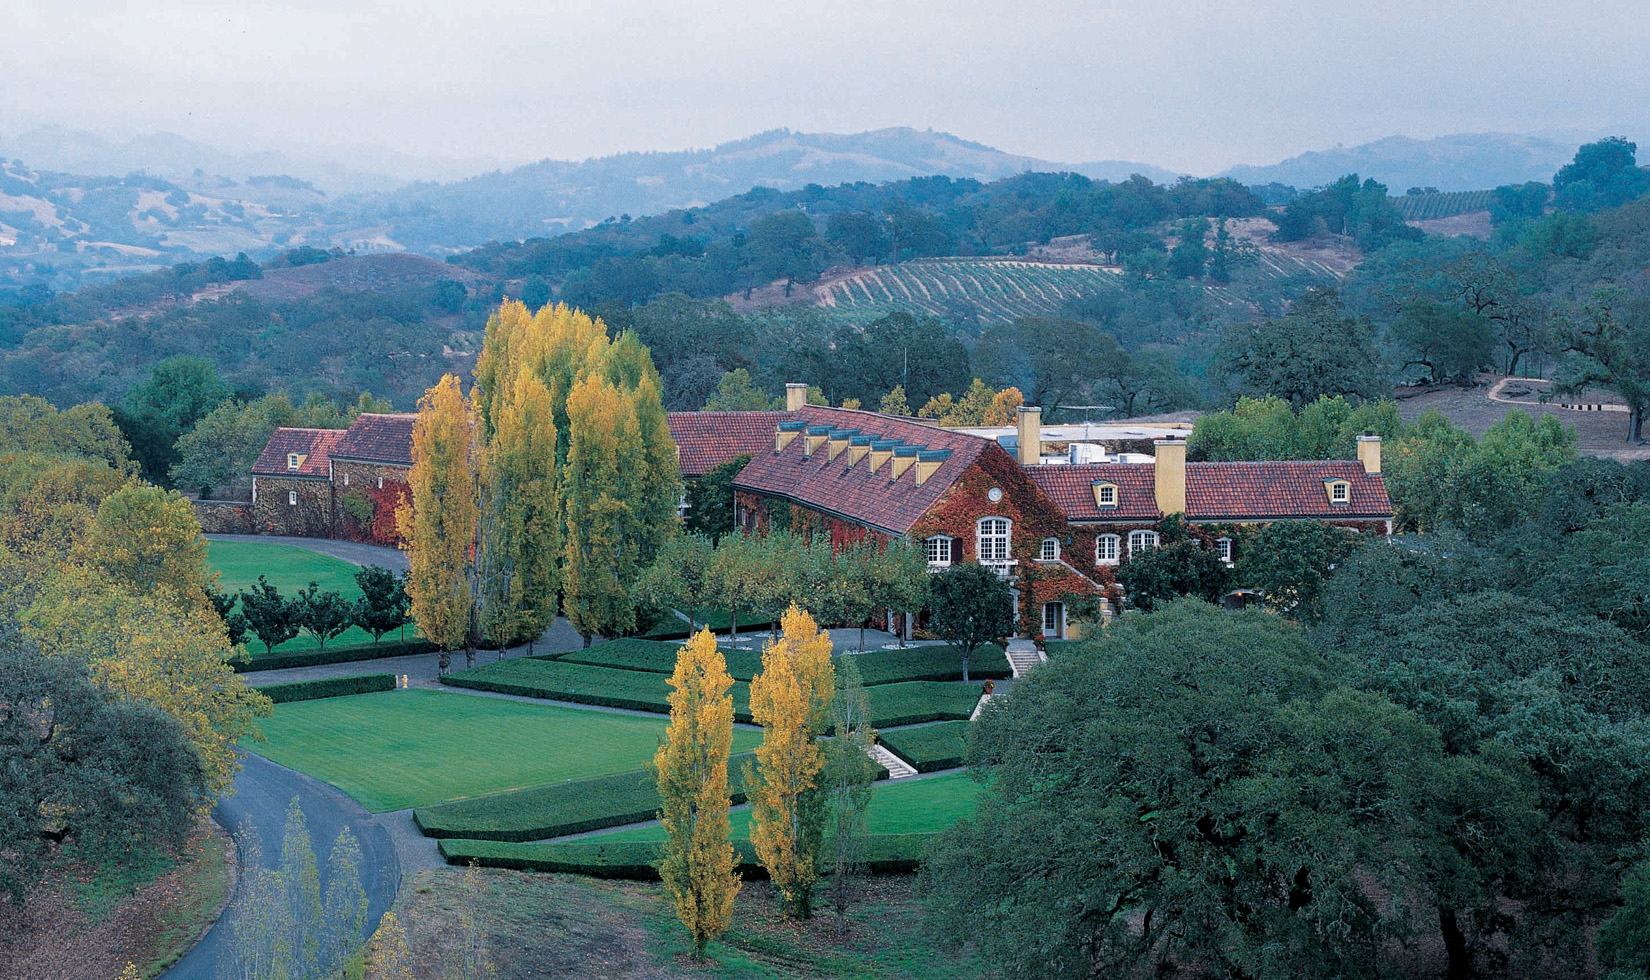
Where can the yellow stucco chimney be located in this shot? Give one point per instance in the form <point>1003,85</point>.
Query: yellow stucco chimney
<point>796,396</point>
<point>1029,423</point>
<point>1171,475</point>
<point>1369,452</point>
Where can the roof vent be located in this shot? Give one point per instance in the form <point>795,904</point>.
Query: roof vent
<point>816,436</point>
<point>858,446</point>
<point>838,441</point>
<point>787,432</point>
<point>904,457</point>
<point>928,461</point>
<point>882,450</point>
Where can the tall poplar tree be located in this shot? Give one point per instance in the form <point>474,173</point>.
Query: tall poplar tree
<point>697,862</point>
<point>791,700</point>
<point>602,552</point>
<point>438,524</point>
<point>520,547</point>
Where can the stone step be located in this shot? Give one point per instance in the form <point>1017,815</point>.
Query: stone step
<point>981,706</point>
<point>897,768</point>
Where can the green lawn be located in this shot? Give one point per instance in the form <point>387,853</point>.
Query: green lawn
<point>906,806</point>
<point>290,569</point>
<point>411,748</point>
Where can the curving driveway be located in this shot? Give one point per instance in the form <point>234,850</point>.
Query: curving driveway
<point>262,792</point>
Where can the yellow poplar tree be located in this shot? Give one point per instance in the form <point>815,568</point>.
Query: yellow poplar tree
<point>520,551</point>
<point>509,338</point>
<point>791,700</point>
<point>697,863</point>
<point>600,558</point>
<point>438,524</point>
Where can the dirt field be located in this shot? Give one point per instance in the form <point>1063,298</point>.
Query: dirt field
<point>77,930</point>
<point>1601,434</point>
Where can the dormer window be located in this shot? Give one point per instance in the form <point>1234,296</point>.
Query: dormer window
<point>1340,491</point>
<point>1050,550</point>
<point>293,461</point>
<point>1105,495</point>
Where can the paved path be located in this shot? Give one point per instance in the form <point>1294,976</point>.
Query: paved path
<point>354,552</point>
<point>262,792</point>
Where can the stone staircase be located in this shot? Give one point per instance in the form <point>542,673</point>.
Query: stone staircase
<point>897,768</point>
<point>1023,655</point>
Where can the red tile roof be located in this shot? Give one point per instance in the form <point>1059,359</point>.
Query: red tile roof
<point>1072,490</point>
<point>378,439</point>
<point>1249,491</point>
<point>706,440</point>
<point>853,492</point>
<point>315,445</point>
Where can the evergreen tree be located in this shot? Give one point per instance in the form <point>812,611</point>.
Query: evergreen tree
<point>439,522</point>
<point>322,615</point>
<point>383,603</point>
<point>697,861</point>
<point>271,617</point>
<point>791,700</point>
<point>894,402</point>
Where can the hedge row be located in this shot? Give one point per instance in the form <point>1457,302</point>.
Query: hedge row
<point>334,655</point>
<point>929,748</point>
<point>560,808</point>
<point>673,627</point>
<point>328,687</point>
<point>884,854</point>
<point>924,663</point>
<point>906,703</point>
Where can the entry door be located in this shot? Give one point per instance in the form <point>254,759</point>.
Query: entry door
<point>1054,619</point>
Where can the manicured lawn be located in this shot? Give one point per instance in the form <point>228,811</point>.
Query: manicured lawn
<point>903,806</point>
<point>929,748</point>
<point>290,569</point>
<point>922,663</point>
<point>409,748</point>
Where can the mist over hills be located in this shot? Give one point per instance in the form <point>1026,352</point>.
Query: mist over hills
<point>1458,162</point>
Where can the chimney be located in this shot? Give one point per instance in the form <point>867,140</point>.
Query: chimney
<point>796,396</point>
<point>1029,422</point>
<point>1369,452</point>
<point>1171,474</point>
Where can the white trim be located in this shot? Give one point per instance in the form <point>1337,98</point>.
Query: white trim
<point>292,498</point>
<point>1004,538</point>
<point>1115,548</point>
<point>937,549</point>
<point>1223,547</point>
<point>1043,550</point>
<point>1142,541</point>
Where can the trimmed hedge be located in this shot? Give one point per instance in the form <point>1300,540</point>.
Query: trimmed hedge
<point>906,703</point>
<point>328,687</point>
<point>929,748</point>
<point>924,663</point>
<point>334,655</point>
<point>884,854</point>
<point>561,809</point>
<point>674,628</point>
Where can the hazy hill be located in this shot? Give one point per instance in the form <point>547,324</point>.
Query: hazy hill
<point>553,195</point>
<point>1462,162</point>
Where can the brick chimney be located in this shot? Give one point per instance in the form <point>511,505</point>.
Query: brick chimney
<point>1170,474</point>
<point>1029,423</point>
<point>796,396</point>
<point>1369,452</point>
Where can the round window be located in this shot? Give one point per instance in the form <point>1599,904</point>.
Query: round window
<point>996,494</point>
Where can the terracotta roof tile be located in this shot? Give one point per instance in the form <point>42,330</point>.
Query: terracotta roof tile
<point>1072,490</point>
<point>706,440</point>
<point>378,439</point>
<point>854,492</point>
<point>1282,489</point>
<point>313,445</point>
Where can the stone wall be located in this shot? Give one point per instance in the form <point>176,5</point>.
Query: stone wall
<point>292,505</point>
<point>364,500</point>
<point>225,516</point>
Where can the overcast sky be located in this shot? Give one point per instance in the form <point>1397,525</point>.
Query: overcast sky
<point>1191,86</point>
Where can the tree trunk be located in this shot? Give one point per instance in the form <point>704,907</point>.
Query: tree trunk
<point>444,662</point>
<point>966,655</point>
<point>733,624</point>
<point>862,636</point>
<point>586,640</point>
<point>1455,946</point>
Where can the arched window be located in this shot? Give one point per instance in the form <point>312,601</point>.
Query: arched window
<point>1050,551</point>
<point>1106,548</point>
<point>1141,541</point>
<point>938,550</point>
<point>1223,546</point>
<point>994,538</point>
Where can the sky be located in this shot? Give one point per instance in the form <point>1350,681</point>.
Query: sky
<point>1191,86</point>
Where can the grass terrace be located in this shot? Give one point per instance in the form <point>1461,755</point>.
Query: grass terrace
<point>290,569</point>
<point>929,748</point>
<point>920,663</point>
<point>410,748</point>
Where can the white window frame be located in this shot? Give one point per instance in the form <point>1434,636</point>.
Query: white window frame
<point>1059,627</point>
<point>1049,550</point>
<point>1340,492</point>
<point>937,550</point>
<point>292,461</point>
<point>1142,541</point>
<point>1113,544</point>
<point>1106,495</point>
<point>1223,547</point>
<point>346,479</point>
<point>380,483</point>
<point>292,498</point>
<point>1001,542</point>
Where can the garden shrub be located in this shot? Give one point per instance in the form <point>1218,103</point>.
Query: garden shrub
<point>929,748</point>
<point>883,854</point>
<point>328,687</point>
<point>335,655</point>
<point>924,663</point>
<point>915,702</point>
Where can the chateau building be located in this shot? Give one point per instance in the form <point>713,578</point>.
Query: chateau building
<point>1056,527</point>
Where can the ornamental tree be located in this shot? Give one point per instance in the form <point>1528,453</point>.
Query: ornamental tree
<point>383,603</point>
<point>1290,562</point>
<point>970,606</point>
<point>322,615</point>
<point>271,617</point>
<point>696,863</point>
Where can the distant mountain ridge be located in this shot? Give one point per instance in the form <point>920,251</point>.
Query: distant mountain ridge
<point>1458,162</point>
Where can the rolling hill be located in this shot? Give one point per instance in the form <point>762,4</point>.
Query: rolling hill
<point>1460,162</point>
